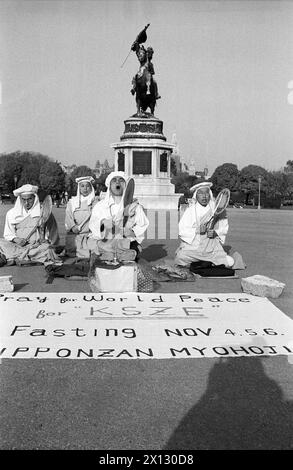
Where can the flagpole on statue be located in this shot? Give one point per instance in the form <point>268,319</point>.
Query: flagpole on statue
<point>141,37</point>
<point>126,58</point>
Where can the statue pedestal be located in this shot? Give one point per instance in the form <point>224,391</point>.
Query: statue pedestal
<point>144,155</point>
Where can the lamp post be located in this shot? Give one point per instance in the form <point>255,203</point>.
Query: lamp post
<point>259,182</point>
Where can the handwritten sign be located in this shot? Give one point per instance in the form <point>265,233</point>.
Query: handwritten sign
<point>141,326</point>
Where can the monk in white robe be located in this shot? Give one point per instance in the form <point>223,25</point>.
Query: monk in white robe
<point>198,242</point>
<point>106,222</point>
<point>78,212</point>
<point>27,237</point>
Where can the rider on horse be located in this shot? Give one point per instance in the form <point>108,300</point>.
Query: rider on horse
<point>144,56</point>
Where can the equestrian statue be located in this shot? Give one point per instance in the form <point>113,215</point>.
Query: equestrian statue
<point>144,86</point>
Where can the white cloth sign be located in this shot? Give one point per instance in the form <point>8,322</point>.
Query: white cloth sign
<point>141,326</point>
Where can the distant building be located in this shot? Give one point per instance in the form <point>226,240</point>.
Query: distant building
<point>184,166</point>
<point>175,154</point>
<point>102,168</point>
<point>99,169</point>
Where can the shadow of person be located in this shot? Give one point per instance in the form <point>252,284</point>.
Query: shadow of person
<point>154,252</point>
<point>242,408</point>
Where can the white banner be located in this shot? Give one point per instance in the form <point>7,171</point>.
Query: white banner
<point>141,326</point>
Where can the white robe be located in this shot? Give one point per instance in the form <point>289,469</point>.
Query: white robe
<point>196,247</point>
<point>77,244</point>
<point>108,209</point>
<point>33,250</point>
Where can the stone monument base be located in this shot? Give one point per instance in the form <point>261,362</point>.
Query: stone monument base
<point>155,193</point>
<point>144,155</point>
<point>158,203</point>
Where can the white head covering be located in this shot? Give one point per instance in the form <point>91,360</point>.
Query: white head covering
<point>18,212</point>
<point>200,211</point>
<point>114,174</point>
<point>203,184</point>
<point>109,198</point>
<point>79,198</point>
<point>210,206</point>
<point>26,189</point>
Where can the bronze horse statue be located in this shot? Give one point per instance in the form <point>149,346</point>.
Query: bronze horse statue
<point>145,91</point>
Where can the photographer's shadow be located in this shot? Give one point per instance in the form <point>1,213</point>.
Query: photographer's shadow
<point>242,408</point>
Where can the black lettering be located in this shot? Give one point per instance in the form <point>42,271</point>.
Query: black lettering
<point>93,298</point>
<point>190,311</point>
<point>99,310</point>
<point>200,350</point>
<point>77,330</point>
<point>207,333</point>
<point>19,350</point>
<point>159,310</point>
<point>58,333</point>
<point>41,314</point>
<point>87,354</point>
<point>139,352</point>
<point>224,353</point>
<point>190,332</point>
<point>273,351</point>
<point>256,350</point>
<point>130,311</point>
<point>159,299</point>
<point>169,332</point>
<point>174,351</point>
<point>18,328</point>
<point>184,297</point>
<point>130,332</point>
<point>38,332</point>
<point>41,350</point>
<point>111,329</point>
<point>241,349</point>
<point>124,351</point>
<point>106,352</point>
<point>67,352</point>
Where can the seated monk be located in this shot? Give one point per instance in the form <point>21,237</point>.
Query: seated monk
<point>198,242</point>
<point>78,212</point>
<point>108,225</point>
<point>24,240</point>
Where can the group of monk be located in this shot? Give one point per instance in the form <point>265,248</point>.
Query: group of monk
<point>106,227</point>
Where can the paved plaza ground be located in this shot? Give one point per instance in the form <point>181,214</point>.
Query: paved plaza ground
<point>236,403</point>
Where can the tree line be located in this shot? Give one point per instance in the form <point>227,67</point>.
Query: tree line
<point>18,168</point>
<point>245,184</point>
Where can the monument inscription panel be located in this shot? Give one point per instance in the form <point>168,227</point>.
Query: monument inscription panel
<point>121,161</point>
<point>164,162</point>
<point>142,163</point>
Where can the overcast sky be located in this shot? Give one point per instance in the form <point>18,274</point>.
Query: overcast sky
<point>222,68</point>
